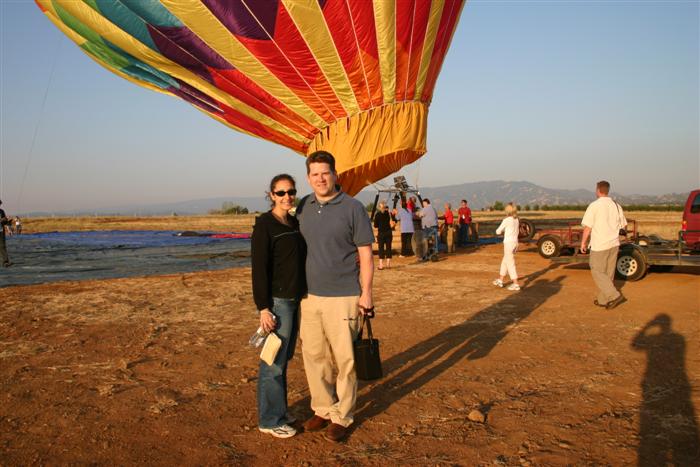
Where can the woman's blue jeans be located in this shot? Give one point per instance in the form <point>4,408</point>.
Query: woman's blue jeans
<point>272,379</point>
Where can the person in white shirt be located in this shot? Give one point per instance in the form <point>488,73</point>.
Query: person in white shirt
<point>509,228</point>
<point>602,223</point>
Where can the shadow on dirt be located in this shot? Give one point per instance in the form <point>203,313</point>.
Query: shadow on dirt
<point>472,339</point>
<point>668,430</point>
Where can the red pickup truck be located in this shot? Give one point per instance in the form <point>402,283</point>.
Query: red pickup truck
<point>690,230</point>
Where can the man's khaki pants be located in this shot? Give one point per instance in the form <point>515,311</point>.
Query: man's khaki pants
<point>329,325</point>
<point>602,265</point>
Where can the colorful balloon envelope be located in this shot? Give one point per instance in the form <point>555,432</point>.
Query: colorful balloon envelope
<point>351,77</point>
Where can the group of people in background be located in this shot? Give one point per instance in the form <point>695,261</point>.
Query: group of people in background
<point>417,224</point>
<point>603,223</point>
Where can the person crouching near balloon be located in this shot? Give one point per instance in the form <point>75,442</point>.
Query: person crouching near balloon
<point>509,228</point>
<point>278,253</point>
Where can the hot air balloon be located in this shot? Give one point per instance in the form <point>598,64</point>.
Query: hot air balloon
<point>352,77</point>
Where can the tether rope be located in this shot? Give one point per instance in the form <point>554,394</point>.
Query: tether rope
<point>38,124</point>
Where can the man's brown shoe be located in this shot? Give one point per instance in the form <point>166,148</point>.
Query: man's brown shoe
<point>316,423</point>
<point>335,432</point>
<point>613,303</point>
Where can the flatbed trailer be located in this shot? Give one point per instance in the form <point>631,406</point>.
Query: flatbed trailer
<point>635,258</point>
<point>553,242</point>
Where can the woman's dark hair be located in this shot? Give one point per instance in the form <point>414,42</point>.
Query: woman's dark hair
<point>274,181</point>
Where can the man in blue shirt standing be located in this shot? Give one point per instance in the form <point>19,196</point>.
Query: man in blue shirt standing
<point>405,218</point>
<point>338,232</point>
<point>429,222</point>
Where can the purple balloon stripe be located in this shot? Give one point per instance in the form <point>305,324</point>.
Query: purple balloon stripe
<point>238,19</point>
<point>171,42</point>
<point>196,97</point>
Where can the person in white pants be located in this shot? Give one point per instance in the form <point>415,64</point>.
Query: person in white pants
<point>509,228</point>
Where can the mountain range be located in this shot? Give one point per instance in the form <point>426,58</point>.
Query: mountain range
<point>479,195</point>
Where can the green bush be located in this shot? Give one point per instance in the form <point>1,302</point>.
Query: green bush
<point>229,208</point>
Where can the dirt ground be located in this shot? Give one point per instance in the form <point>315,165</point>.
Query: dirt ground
<point>157,370</point>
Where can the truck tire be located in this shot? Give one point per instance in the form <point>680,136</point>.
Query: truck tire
<point>630,265</point>
<point>549,246</point>
<point>526,230</point>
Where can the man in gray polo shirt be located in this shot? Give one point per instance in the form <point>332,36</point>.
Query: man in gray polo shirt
<point>337,231</point>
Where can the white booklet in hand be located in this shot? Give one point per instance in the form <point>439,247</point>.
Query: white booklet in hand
<point>270,348</point>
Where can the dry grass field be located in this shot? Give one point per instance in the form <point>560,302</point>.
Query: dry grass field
<point>663,224</point>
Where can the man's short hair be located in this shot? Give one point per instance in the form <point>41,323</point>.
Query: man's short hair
<point>603,187</point>
<point>320,157</point>
<point>426,200</point>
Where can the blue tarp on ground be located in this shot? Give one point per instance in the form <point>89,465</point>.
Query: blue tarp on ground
<point>58,256</point>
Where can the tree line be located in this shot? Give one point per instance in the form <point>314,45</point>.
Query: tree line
<point>499,206</point>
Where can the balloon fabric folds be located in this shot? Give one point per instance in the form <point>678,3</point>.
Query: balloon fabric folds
<point>352,77</point>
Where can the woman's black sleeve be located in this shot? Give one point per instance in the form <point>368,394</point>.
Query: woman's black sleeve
<point>261,258</point>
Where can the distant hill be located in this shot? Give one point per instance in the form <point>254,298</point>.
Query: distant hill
<point>479,195</point>
<point>485,194</point>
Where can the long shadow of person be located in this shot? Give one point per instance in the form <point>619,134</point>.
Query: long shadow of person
<point>472,339</point>
<point>668,430</point>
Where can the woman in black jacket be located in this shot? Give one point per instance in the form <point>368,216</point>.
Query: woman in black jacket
<point>384,221</point>
<point>278,252</point>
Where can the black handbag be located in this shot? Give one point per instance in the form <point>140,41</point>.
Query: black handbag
<point>368,364</point>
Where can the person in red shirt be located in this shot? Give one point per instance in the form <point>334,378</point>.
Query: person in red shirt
<point>465,219</point>
<point>447,231</point>
<point>411,204</point>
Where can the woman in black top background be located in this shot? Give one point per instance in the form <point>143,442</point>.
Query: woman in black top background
<point>383,221</point>
<point>278,252</point>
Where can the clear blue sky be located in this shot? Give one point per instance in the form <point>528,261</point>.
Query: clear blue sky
<point>559,93</point>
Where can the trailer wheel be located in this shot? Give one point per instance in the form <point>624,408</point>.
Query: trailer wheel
<point>630,265</point>
<point>549,246</point>
<point>526,230</point>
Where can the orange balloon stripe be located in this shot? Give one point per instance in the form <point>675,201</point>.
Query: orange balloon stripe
<point>295,49</point>
<point>341,29</point>
<point>269,55</point>
<point>276,57</point>
<point>249,125</point>
<point>404,20</point>
<point>43,10</point>
<point>448,22</point>
<point>240,86</point>
<point>420,25</point>
<point>363,20</point>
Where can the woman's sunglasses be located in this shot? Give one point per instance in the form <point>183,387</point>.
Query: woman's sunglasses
<point>280,193</point>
